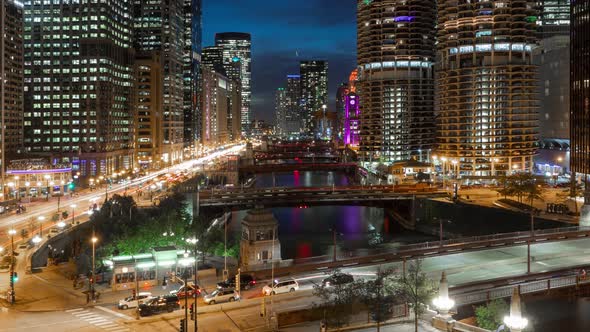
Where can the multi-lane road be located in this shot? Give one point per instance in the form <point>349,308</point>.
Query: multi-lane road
<point>83,199</point>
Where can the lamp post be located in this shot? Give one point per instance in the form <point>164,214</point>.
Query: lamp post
<point>443,303</point>
<point>515,322</point>
<point>41,218</point>
<point>94,240</point>
<point>194,242</point>
<point>12,231</point>
<point>73,206</point>
<point>185,264</point>
<point>47,177</point>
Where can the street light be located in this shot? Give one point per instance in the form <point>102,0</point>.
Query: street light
<point>47,177</point>
<point>41,218</point>
<point>515,322</point>
<point>94,240</point>
<point>443,303</point>
<point>73,206</point>
<point>11,232</point>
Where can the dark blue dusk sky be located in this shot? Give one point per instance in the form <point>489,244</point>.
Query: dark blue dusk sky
<point>314,29</point>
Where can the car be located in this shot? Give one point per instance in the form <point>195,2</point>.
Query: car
<point>167,303</point>
<point>193,291</point>
<point>134,301</point>
<point>221,295</point>
<point>22,246</point>
<point>246,282</point>
<point>278,287</point>
<point>338,279</point>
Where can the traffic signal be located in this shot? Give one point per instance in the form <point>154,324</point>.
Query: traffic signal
<point>238,281</point>
<point>14,277</point>
<point>182,325</point>
<point>192,311</point>
<point>71,186</point>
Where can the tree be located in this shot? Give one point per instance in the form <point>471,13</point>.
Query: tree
<point>490,315</point>
<point>416,289</point>
<point>378,294</point>
<point>574,191</point>
<point>338,302</point>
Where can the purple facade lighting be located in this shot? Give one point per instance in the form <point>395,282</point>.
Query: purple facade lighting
<point>351,119</point>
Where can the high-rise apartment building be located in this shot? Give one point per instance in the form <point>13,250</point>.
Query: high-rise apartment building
<point>79,83</point>
<point>11,88</point>
<point>396,52</point>
<point>236,49</point>
<point>314,90</point>
<point>293,113</point>
<point>193,34</point>
<point>281,112</point>
<point>580,89</point>
<point>159,26</point>
<point>488,107</point>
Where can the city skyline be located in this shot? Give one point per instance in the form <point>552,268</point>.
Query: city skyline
<point>283,34</point>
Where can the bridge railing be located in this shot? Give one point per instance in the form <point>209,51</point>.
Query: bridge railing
<point>524,288</point>
<point>452,243</point>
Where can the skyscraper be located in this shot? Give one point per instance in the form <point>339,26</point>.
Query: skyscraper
<point>281,112</point>
<point>554,18</point>
<point>580,89</point>
<point>488,108</point>
<point>159,26</point>
<point>396,55</point>
<point>314,90</point>
<point>293,116</point>
<point>236,48</point>
<point>11,88</point>
<point>221,108</point>
<point>552,57</point>
<point>192,77</point>
<point>212,57</point>
<point>79,83</point>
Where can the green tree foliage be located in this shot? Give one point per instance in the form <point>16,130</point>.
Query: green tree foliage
<point>416,289</point>
<point>522,186</point>
<point>125,230</point>
<point>337,301</point>
<point>491,315</point>
<point>378,294</point>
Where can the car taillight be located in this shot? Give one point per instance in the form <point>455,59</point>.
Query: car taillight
<point>253,282</point>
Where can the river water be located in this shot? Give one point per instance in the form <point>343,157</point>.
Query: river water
<point>305,231</point>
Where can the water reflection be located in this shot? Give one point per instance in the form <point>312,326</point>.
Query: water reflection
<point>306,231</point>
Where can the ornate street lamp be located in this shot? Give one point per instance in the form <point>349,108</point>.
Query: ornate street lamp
<point>443,303</point>
<point>515,322</point>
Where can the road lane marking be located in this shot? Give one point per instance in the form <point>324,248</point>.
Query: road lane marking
<point>74,310</point>
<point>118,314</point>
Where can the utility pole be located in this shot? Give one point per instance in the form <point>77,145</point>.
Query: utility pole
<point>12,231</point>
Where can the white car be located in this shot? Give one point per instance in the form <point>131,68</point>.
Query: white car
<point>133,302</point>
<point>278,287</point>
<point>222,295</point>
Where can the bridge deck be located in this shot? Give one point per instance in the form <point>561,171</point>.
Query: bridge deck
<point>311,196</point>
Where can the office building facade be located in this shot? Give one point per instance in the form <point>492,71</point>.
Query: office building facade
<point>580,89</point>
<point>79,84</point>
<point>193,34</point>
<point>314,91</point>
<point>236,49</point>
<point>293,116</point>
<point>488,104</point>
<point>159,26</point>
<point>396,78</point>
<point>281,112</point>
<point>11,88</point>
<point>221,109</point>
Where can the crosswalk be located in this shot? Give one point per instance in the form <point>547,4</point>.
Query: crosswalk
<point>97,320</point>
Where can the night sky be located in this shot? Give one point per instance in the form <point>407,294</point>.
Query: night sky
<point>284,33</point>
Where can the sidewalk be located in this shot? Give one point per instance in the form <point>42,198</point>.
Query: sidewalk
<point>423,326</point>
